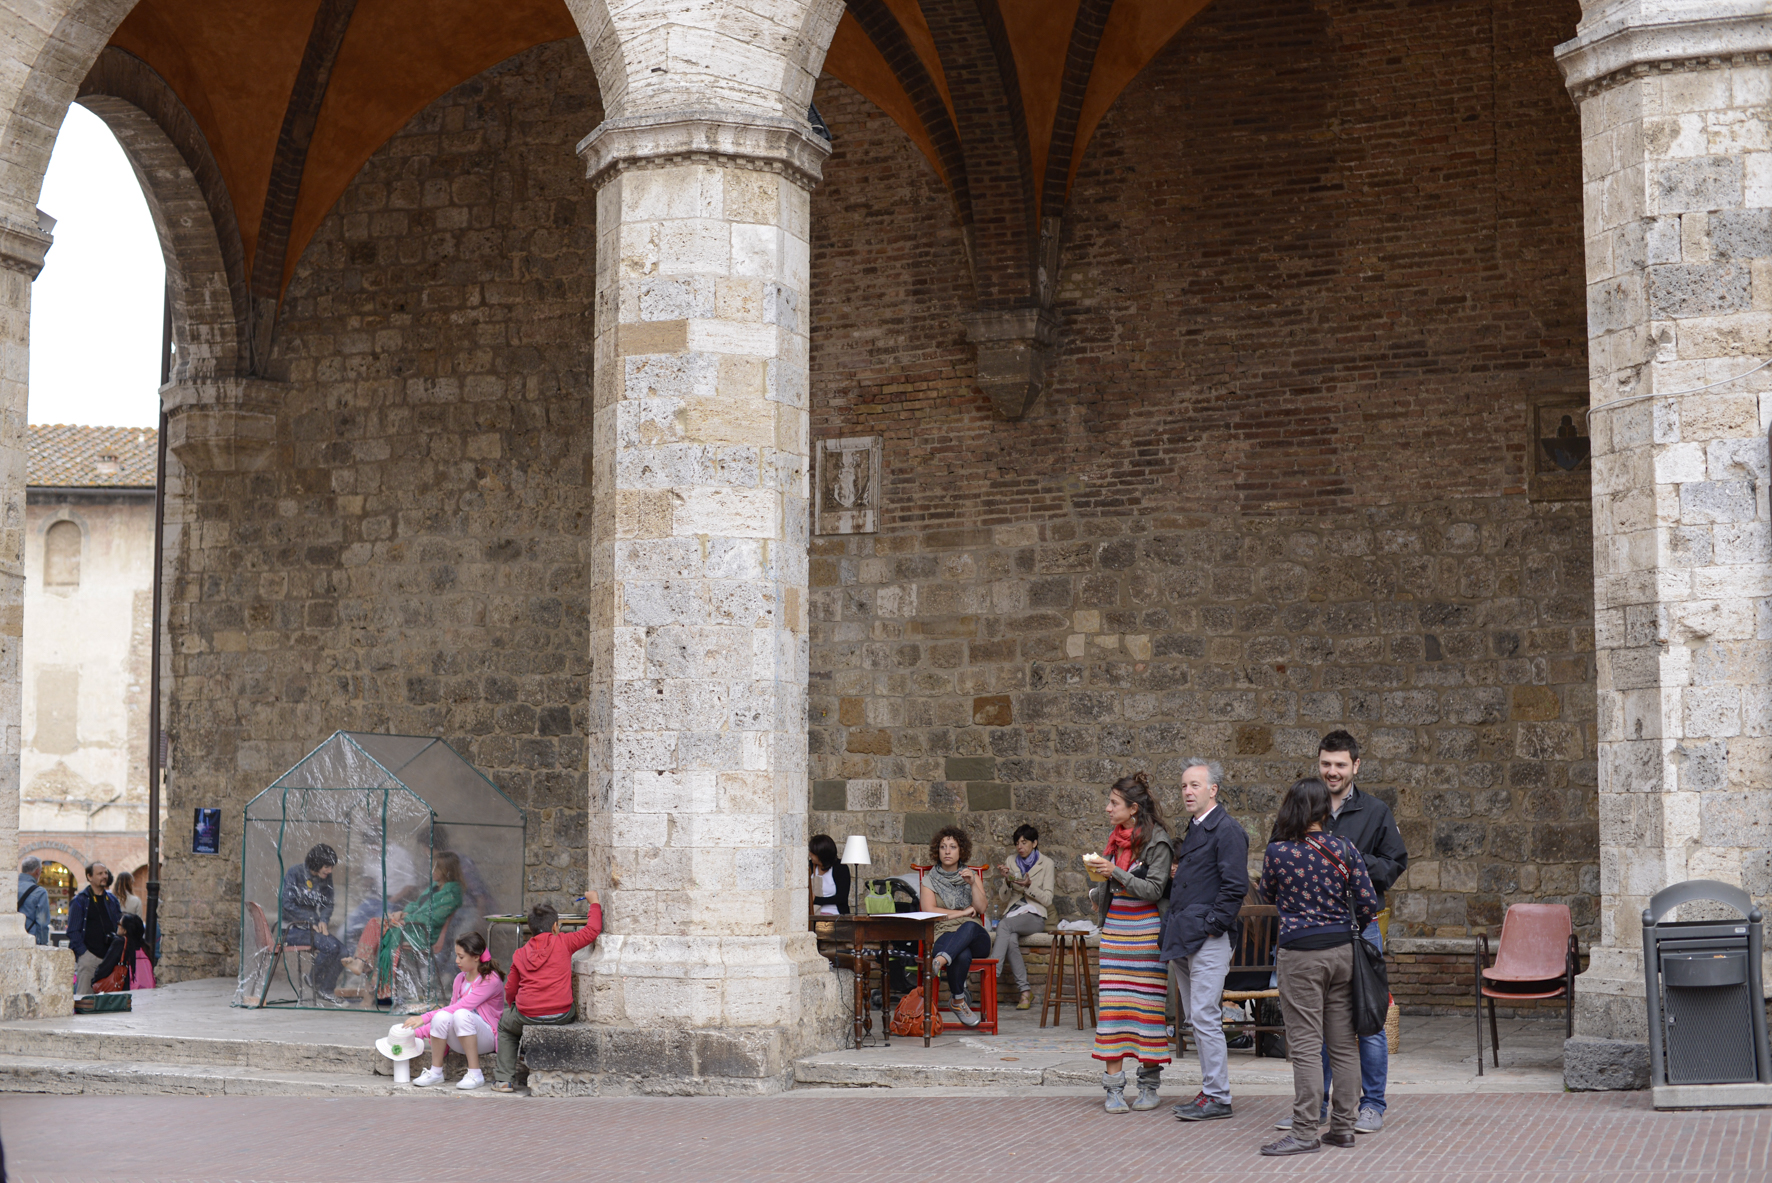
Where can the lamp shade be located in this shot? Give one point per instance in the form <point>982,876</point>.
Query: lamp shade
<point>855,850</point>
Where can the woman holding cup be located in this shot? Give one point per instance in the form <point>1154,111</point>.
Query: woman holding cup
<point>1134,870</point>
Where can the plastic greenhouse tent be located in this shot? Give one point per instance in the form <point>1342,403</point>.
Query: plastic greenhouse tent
<point>362,864</point>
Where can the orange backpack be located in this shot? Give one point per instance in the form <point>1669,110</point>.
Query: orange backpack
<point>907,1016</point>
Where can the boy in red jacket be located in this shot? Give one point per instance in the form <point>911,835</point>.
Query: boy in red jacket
<point>539,987</point>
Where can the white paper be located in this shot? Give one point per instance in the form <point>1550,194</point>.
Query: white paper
<point>918,915</point>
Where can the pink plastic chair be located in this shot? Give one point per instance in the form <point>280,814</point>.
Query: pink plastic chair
<point>1537,959</point>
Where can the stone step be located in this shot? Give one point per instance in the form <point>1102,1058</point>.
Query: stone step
<point>40,1074</point>
<point>74,1046</point>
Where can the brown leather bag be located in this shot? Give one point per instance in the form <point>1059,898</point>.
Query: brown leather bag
<point>907,1016</point>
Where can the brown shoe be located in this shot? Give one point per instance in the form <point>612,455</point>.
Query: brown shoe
<point>1344,1141</point>
<point>1291,1145</point>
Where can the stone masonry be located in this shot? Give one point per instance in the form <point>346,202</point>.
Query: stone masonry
<point>1277,485</point>
<point>1677,160</point>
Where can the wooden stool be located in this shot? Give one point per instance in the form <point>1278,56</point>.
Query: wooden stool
<point>1068,946</point>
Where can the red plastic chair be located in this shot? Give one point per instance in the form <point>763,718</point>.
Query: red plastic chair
<point>984,967</point>
<point>270,953</point>
<point>1537,959</point>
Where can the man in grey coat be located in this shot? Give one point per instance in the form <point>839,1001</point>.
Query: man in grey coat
<point>33,900</point>
<point>1201,929</point>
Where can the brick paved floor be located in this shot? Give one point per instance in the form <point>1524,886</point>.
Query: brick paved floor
<point>817,1136</point>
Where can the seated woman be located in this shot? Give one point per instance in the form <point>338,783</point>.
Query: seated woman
<point>307,915</point>
<point>420,924</point>
<point>956,891</point>
<point>1028,879</point>
<point>832,897</point>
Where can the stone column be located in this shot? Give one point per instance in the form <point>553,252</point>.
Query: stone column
<point>708,975</point>
<point>35,981</point>
<point>1677,155</point>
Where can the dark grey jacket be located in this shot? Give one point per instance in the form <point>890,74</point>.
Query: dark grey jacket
<point>1211,879</point>
<point>1146,879</point>
<point>1366,821</point>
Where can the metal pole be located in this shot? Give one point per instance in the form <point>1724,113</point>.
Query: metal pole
<point>156,750</point>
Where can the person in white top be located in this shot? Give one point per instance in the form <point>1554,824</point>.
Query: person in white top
<point>1028,877</point>
<point>831,897</point>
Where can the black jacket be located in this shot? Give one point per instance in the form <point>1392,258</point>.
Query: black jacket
<point>840,879</point>
<point>1211,879</point>
<point>92,924</point>
<point>307,898</point>
<point>1366,821</point>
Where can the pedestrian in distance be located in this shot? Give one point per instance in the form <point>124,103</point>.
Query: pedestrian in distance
<point>33,900</point>
<point>1201,928</point>
<point>538,989</point>
<point>469,1024</point>
<point>1133,983</point>
<point>956,891</point>
<point>1028,878</point>
<point>1307,875</point>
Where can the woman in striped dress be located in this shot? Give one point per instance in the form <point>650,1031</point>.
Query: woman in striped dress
<point>1133,980</point>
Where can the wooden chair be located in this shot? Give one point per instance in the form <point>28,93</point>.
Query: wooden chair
<point>1251,969</point>
<point>1537,958</point>
<point>984,967</point>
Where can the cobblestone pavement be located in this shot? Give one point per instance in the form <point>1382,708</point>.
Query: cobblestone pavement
<point>816,1135</point>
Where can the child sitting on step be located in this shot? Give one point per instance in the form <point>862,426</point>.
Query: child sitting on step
<point>469,1024</point>
<point>539,989</point>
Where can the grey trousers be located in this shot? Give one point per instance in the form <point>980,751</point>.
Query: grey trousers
<point>1200,983</point>
<point>1006,944</point>
<point>83,967</point>
<point>510,1038</point>
<point>1317,996</point>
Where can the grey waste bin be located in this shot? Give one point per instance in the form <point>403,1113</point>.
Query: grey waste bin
<point>1707,1015</point>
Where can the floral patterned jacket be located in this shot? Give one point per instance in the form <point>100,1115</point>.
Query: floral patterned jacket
<point>1307,881</point>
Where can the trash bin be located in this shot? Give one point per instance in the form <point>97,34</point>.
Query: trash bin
<point>1707,1015</point>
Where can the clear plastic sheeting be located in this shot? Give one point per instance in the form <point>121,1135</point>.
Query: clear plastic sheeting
<point>362,864</point>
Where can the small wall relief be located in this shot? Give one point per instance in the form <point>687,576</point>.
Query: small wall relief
<point>849,485</point>
<point>1559,448</point>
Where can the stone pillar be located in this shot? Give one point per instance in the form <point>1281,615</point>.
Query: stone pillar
<point>1677,157</point>
<point>35,981</point>
<point>708,975</point>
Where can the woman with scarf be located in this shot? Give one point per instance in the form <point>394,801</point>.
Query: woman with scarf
<point>1133,980</point>
<point>955,890</point>
<point>1027,878</point>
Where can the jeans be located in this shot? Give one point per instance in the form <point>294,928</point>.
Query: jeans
<point>510,1037</point>
<point>1317,995</point>
<point>1375,1053</point>
<point>1006,947</point>
<point>327,952</point>
<point>1201,981</point>
<point>962,945</point>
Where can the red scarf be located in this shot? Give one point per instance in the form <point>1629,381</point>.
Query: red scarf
<point>1119,848</point>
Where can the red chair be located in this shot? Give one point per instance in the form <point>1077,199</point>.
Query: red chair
<point>1537,959</point>
<point>270,955</point>
<point>984,967</point>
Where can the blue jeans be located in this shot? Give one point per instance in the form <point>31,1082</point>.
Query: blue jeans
<point>962,945</point>
<point>1375,1053</point>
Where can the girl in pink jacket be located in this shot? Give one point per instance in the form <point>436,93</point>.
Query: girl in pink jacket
<point>469,1024</point>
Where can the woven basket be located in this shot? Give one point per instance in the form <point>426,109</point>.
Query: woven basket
<point>1393,1028</point>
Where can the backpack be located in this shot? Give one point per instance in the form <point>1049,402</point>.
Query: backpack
<point>907,1016</point>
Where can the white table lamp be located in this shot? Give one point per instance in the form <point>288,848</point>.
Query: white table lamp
<point>855,853</point>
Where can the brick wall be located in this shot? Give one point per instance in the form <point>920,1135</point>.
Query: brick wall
<point>409,559</point>
<point>1318,260</point>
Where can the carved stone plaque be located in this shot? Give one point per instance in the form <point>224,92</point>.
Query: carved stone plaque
<point>849,485</point>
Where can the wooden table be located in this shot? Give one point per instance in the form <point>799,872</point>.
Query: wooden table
<point>880,929</point>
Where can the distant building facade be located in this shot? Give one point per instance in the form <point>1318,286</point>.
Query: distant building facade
<point>89,550</point>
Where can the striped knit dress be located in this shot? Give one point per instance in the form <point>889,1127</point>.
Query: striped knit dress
<point>1133,982</point>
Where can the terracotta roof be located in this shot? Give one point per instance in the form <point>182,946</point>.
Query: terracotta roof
<point>64,456</point>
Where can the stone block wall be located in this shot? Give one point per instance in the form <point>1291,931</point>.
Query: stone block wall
<point>407,555</point>
<point>1278,484</point>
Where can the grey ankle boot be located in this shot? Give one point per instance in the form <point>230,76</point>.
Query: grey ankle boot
<point>1116,1092</point>
<point>1150,1076</point>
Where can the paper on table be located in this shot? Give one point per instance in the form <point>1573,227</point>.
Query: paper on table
<point>919,915</point>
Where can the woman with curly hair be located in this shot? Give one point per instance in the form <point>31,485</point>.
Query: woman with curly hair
<point>956,891</point>
<point>1133,980</point>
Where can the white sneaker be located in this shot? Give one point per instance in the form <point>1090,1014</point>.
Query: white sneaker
<point>427,1078</point>
<point>473,1080</point>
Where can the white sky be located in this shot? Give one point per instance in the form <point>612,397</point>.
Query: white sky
<point>96,309</point>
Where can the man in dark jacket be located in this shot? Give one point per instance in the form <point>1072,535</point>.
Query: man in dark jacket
<point>307,916</point>
<point>1365,821</point>
<point>92,922</point>
<point>1200,928</point>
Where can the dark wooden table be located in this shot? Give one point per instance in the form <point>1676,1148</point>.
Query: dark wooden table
<point>859,931</point>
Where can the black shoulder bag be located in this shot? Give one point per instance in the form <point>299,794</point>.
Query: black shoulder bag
<point>1372,988</point>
